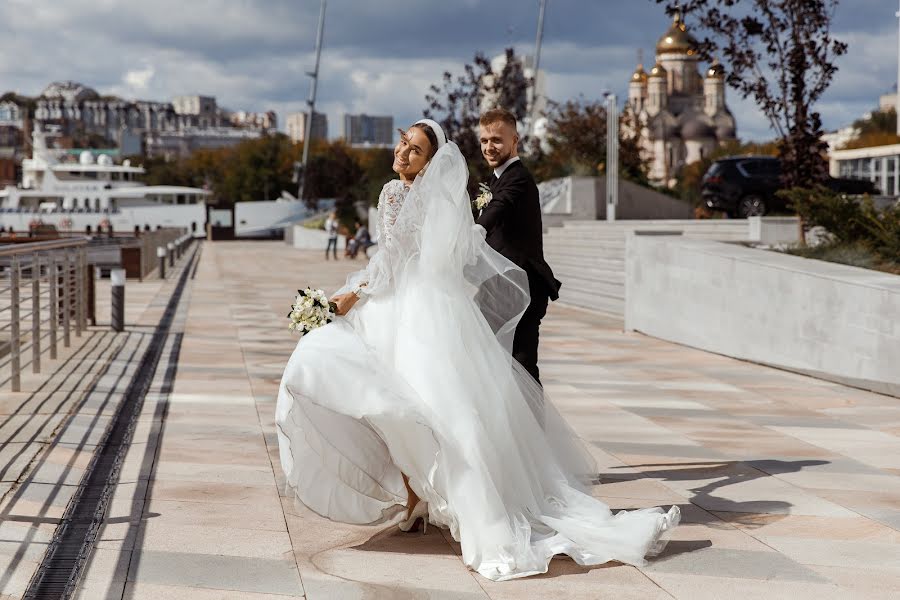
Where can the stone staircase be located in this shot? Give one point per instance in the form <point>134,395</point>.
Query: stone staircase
<point>588,257</point>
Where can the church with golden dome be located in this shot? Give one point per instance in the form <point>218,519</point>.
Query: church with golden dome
<point>682,116</point>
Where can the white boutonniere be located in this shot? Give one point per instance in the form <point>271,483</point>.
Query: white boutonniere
<point>484,197</point>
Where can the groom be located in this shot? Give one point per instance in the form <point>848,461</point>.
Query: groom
<point>512,220</point>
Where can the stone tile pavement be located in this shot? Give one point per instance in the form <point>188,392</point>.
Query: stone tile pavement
<point>790,486</point>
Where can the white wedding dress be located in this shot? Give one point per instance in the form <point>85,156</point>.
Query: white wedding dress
<point>418,379</point>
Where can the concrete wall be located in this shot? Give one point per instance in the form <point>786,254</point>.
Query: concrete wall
<point>263,216</point>
<point>572,198</point>
<point>639,202</point>
<point>309,239</point>
<point>771,231</point>
<point>584,199</point>
<point>588,257</point>
<point>831,321</point>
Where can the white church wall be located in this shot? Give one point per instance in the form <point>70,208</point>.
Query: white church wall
<point>694,150</point>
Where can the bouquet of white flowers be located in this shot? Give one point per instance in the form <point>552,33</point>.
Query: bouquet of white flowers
<point>310,310</point>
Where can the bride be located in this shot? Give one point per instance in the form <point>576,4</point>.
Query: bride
<point>412,396</point>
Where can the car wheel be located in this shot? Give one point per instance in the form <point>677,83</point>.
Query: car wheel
<point>751,206</point>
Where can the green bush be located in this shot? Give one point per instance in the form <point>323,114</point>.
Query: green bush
<point>855,255</point>
<point>849,221</point>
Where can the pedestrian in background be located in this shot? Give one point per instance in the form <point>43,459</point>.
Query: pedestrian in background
<point>331,227</point>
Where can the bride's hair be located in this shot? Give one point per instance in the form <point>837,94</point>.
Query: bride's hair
<point>429,133</point>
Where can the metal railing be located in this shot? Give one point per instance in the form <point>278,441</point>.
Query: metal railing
<point>43,296</point>
<point>139,254</point>
<point>150,241</point>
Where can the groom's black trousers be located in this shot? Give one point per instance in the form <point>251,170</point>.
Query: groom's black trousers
<point>525,342</point>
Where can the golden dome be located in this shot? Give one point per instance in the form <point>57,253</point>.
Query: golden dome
<point>715,71</point>
<point>658,71</point>
<point>677,39</point>
<point>639,74</point>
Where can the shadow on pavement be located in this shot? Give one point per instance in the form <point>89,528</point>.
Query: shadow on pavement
<point>717,475</point>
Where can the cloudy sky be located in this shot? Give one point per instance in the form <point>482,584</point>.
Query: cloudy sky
<point>380,56</point>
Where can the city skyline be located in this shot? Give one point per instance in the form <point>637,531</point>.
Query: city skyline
<point>254,57</point>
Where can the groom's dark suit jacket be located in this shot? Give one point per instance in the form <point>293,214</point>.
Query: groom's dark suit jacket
<point>512,220</point>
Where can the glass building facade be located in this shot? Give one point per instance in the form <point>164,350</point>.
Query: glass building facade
<point>879,164</point>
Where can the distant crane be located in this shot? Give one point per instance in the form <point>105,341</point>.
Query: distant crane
<point>537,64</point>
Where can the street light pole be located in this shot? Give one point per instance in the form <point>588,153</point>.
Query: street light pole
<point>612,157</point>
<point>311,103</point>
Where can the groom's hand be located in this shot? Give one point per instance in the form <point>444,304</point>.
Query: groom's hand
<point>344,303</point>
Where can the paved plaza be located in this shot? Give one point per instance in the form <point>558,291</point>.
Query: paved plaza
<point>789,486</point>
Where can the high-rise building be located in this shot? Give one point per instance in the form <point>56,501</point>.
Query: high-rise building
<point>296,126</point>
<point>368,130</point>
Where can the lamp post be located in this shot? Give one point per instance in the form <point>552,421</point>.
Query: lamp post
<point>612,157</point>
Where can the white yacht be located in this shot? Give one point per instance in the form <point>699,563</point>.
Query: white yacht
<point>96,192</point>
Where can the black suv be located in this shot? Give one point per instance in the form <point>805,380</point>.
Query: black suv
<point>745,186</point>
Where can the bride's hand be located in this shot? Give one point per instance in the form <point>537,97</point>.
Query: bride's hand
<point>344,303</point>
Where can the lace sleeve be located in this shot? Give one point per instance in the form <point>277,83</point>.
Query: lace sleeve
<point>375,278</point>
<point>389,204</point>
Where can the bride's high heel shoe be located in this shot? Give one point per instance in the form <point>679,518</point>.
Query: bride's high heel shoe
<point>672,518</point>
<point>666,523</point>
<point>419,512</point>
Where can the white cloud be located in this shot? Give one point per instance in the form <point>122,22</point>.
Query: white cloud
<point>138,80</point>
<point>378,58</point>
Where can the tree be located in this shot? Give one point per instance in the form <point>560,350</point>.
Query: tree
<point>456,104</point>
<point>260,169</point>
<point>576,143</point>
<point>878,129</point>
<point>782,54</point>
<point>377,166</point>
<point>334,173</point>
<point>879,121</point>
<point>162,172</point>
<point>257,169</point>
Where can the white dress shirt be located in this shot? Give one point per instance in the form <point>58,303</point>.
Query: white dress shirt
<point>499,170</point>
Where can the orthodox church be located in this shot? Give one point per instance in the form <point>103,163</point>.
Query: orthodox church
<point>681,115</point>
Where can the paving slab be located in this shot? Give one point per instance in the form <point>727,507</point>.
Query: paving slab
<point>744,449</point>
<point>789,486</point>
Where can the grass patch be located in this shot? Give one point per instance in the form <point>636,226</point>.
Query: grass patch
<point>852,254</point>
